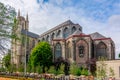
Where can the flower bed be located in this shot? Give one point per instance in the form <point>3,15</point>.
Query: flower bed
<point>2,78</point>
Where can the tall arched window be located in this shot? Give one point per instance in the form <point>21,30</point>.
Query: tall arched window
<point>65,32</point>
<point>43,39</point>
<point>33,43</point>
<point>48,39</point>
<point>53,36</point>
<point>101,50</point>
<point>80,29</point>
<point>73,29</point>
<point>58,50</point>
<point>58,34</point>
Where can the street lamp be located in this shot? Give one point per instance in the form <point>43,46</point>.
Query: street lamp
<point>25,52</point>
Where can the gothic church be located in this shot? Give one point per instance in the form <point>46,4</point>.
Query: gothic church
<point>67,41</point>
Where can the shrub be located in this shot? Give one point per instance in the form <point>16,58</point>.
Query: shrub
<point>56,72</point>
<point>76,70</point>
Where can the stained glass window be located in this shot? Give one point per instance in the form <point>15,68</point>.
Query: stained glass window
<point>58,50</point>
<point>101,50</point>
<point>65,33</point>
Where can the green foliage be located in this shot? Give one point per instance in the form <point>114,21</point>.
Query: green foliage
<point>41,55</point>
<point>14,30</point>
<point>7,14</point>
<point>84,71</point>
<point>39,69</point>
<point>60,71</point>
<point>13,68</point>
<point>111,71</point>
<point>51,70</point>
<point>56,72</point>
<point>2,69</point>
<point>76,70</point>
<point>101,68</point>
<point>21,68</point>
<point>6,61</point>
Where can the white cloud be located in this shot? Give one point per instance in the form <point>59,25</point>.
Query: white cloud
<point>113,30</point>
<point>45,16</point>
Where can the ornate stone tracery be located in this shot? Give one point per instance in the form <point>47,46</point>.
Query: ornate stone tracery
<point>81,51</point>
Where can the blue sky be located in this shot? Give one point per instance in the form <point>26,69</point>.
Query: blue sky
<point>101,16</point>
<point>96,9</point>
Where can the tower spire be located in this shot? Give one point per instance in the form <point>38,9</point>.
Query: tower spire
<point>18,12</point>
<point>27,22</point>
<point>27,17</point>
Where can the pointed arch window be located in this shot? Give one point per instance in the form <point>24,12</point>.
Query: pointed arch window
<point>73,29</point>
<point>65,32</point>
<point>33,43</point>
<point>101,50</point>
<point>58,50</point>
<point>53,36</point>
<point>81,50</point>
<point>48,39</point>
<point>43,39</point>
<point>58,34</point>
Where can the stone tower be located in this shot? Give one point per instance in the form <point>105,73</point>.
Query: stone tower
<point>18,45</point>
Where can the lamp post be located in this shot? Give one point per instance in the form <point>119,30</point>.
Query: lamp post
<point>25,52</point>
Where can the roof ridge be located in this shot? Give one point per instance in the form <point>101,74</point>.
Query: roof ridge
<point>97,35</point>
<point>58,26</point>
<point>28,33</point>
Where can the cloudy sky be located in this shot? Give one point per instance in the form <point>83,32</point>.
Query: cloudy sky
<point>101,16</point>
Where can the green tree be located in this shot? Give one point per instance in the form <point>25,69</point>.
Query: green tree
<point>7,14</point>
<point>41,55</point>
<point>6,61</point>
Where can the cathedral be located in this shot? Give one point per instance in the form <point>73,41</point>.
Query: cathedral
<point>67,40</point>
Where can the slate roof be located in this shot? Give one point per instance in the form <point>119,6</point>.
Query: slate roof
<point>77,32</point>
<point>97,35</point>
<point>30,34</point>
<point>58,26</point>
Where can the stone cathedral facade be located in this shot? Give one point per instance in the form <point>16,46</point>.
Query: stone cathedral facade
<point>67,41</point>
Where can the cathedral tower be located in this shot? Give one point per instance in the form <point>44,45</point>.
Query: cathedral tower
<point>18,46</point>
